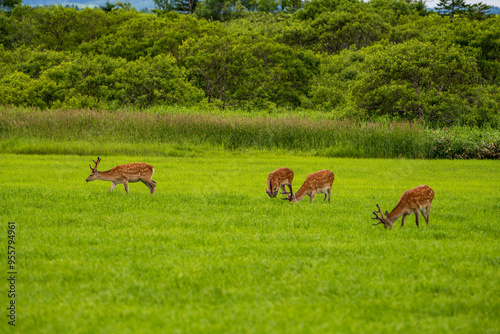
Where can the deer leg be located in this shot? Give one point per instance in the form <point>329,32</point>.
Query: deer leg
<point>426,216</point>
<point>125,184</point>
<point>402,220</point>
<point>329,194</point>
<point>326,195</point>
<point>416,218</point>
<point>147,184</point>
<point>312,196</point>
<point>283,190</point>
<point>290,186</point>
<point>424,213</point>
<point>113,185</point>
<point>152,185</point>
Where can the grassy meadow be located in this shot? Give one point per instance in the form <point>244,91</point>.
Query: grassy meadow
<point>211,253</point>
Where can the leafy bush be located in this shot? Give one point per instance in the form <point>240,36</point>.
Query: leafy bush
<point>353,60</point>
<point>421,80</point>
<point>99,82</point>
<point>465,143</point>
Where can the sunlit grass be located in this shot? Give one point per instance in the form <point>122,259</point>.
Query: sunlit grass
<point>210,252</point>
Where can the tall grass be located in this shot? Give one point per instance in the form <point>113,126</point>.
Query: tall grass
<point>321,137</point>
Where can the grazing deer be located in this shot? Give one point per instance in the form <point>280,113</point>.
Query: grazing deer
<point>316,183</point>
<point>411,202</point>
<point>280,178</point>
<point>134,172</point>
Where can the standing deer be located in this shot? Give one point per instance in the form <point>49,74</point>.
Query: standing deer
<point>316,183</point>
<point>133,172</point>
<point>411,202</point>
<point>280,178</point>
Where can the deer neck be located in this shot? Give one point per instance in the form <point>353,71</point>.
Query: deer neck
<point>105,176</point>
<point>395,214</point>
<point>299,195</point>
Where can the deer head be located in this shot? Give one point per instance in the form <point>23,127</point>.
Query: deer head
<point>387,223</point>
<point>413,201</point>
<point>93,175</point>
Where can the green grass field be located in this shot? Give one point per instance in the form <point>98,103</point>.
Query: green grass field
<point>211,253</point>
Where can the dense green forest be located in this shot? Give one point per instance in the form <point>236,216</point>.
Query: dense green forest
<point>383,59</point>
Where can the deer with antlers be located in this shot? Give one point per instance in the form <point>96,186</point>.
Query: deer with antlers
<point>278,179</point>
<point>412,201</point>
<point>317,183</point>
<point>125,174</point>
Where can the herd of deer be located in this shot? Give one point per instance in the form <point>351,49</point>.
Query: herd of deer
<point>412,201</point>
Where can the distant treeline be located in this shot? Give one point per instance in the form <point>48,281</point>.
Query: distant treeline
<point>361,61</point>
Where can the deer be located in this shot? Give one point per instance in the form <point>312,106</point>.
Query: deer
<point>280,178</point>
<point>317,183</point>
<point>125,174</point>
<point>412,201</point>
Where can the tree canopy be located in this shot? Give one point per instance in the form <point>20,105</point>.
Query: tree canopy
<point>352,59</point>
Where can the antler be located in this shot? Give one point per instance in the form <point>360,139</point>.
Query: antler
<point>96,163</point>
<point>272,193</point>
<point>377,217</point>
